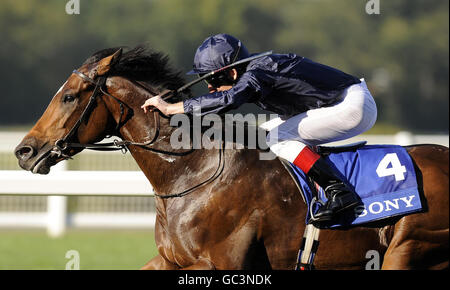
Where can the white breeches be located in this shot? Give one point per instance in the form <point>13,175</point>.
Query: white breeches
<point>354,114</point>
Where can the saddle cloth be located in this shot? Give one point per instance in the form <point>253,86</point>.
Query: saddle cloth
<point>382,175</point>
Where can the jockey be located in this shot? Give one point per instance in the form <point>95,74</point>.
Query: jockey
<point>316,103</point>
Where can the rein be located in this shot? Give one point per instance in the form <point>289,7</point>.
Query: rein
<point>62,144</point>
<point>213,177</point>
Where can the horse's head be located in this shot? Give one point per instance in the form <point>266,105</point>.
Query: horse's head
<point>70,117</point>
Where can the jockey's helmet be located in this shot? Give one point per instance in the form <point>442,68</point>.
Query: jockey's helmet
<point>216,52</point>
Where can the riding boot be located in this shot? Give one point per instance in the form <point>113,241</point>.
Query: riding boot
<point>339,195</point>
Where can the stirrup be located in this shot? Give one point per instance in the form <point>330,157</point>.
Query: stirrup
<point>314,201</point>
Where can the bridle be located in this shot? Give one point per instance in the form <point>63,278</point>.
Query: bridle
<point>62,144</point>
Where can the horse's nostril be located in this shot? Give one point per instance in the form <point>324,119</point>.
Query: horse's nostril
<point>24,152</point>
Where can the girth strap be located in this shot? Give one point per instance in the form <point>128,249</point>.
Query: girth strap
<point>308,248</point>
<point>310,240</point>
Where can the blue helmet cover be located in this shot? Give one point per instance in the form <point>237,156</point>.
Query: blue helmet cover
<point>216,52</point>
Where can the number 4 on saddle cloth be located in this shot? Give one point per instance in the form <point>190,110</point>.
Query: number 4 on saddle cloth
<point>383,176</point>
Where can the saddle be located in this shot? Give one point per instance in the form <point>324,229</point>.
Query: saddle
<point>325,150</point>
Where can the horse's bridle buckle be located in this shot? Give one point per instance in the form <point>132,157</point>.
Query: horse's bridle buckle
<point>60,145</point>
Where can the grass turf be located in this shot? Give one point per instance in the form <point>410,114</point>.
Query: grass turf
<point>98,250</point>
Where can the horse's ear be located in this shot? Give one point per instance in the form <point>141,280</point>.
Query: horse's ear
<point>105,64</point>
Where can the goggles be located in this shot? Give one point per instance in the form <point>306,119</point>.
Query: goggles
<point>217,80</point>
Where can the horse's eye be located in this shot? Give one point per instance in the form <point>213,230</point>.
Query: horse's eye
<point>68,98</point>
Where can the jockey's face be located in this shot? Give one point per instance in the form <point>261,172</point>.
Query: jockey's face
<point>233,74</point>
<point>212,89</point>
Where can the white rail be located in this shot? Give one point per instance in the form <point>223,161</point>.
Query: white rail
<point>69,183</point>
<point>61,183</point>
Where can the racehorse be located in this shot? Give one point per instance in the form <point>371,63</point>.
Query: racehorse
<point>247,214</point>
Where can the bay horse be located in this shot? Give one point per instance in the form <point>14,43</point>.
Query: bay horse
<point>251,215</point>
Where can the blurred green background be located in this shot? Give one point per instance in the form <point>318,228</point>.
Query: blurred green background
<point>98,250</point>
<point>402,51</point>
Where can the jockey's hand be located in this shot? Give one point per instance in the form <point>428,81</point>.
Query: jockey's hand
<point>165,108</point>
<point>156,102</point>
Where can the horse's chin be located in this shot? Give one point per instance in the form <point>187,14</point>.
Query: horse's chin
<point>44,162</point>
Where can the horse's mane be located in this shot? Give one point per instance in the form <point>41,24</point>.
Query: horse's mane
<point>142,64</point>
